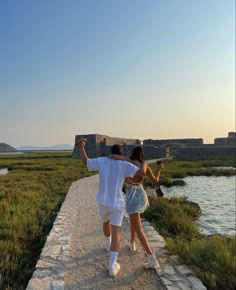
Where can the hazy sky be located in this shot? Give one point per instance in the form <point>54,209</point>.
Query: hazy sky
<point>125,68</point>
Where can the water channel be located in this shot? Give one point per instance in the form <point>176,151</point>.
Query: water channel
<point>216,197</point>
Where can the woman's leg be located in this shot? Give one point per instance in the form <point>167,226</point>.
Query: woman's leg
<point>132,230</point>
<point>135,220</point>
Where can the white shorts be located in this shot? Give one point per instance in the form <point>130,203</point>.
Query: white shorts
<point>115,216</point>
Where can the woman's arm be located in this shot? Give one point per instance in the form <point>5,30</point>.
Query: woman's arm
<point>151,176</point>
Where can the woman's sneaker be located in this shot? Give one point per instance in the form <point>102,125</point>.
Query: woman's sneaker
<point>151,262</point>
<point>114,271</point>
<point>132,247</point>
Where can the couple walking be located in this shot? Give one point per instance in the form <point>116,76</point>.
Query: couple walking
<point>113,171</point>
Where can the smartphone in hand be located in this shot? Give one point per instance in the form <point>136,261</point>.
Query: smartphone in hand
<point>158,190</point>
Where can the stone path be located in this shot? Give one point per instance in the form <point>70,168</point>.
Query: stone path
<point>74,256</point>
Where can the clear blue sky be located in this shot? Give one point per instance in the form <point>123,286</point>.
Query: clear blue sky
<point>125,68</point>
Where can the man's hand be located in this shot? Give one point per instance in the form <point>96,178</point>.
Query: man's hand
<point>81,142</point>
<point>83,153</point>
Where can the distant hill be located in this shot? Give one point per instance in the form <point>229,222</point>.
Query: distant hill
<point>54,147</point>
<point>6,148</point>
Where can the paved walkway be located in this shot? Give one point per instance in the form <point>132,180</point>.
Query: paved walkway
<point>74,256</point>
<point>90,269</point>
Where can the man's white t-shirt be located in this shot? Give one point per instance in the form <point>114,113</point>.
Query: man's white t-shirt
<point>112,174</point>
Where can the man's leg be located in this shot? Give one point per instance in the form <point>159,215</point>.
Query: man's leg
<point>116,221</point>
<point>107,233</point>
<point>105,216</point>
<point>115,241</point>
<point>107,229</point>
<point>114,267</point>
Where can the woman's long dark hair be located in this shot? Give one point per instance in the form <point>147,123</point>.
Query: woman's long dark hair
<point>137,154</point>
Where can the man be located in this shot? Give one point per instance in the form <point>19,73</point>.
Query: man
<point>110,196</point>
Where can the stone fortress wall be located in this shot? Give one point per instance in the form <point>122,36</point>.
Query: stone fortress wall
<point>184,149</point>
<point>228,141</point>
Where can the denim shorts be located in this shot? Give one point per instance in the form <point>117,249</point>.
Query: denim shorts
<point>136,199</point>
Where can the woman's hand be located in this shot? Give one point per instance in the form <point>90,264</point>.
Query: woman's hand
<point>160,166</point>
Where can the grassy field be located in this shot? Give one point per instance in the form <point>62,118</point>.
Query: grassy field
<point>30,197</point>
<point>180,169</point>
<point>213,258</point>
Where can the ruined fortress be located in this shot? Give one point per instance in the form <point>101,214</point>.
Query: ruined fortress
<point>182,149</point>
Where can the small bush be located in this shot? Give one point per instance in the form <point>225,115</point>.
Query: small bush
<point>169,215</point>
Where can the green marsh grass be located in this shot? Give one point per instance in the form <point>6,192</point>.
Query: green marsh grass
<point>212,258</point>
<point>31,195</point>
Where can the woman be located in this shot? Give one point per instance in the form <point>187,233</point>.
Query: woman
<point>137,202</point>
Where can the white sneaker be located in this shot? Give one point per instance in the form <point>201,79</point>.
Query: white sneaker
<point>151,262</point>
<point>132,246</point>
<point>114,271</point>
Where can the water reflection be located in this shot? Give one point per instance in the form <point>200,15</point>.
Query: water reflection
<point>216,197</point>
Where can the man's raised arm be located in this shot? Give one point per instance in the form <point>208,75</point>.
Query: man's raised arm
<point>83,153</point>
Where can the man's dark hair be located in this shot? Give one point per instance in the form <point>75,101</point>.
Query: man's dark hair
<point>116,149</point>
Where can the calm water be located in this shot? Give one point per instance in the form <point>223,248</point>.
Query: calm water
<point>216,197</point>
<point>3,171</point>
<point>10,153</point>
